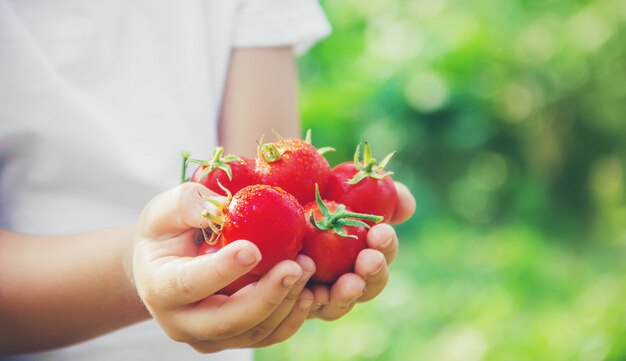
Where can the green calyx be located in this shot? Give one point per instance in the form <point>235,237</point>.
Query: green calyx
<point>340,218</point>
<point>271,152</point>
<point>216,220</point>
<point>369,166</point>
<point>217,162</point>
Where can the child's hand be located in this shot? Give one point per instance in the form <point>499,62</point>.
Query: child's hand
<point>178,288</point>
<point>371,272</point>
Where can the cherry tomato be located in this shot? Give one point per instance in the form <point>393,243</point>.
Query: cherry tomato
<point>334,238</point>
<point>232,172</point>
<point>268,217</point>
<point>363,186</point>
<point>294,165</point>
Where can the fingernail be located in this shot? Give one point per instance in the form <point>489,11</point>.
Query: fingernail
<point>306,303</point>
<point>246,258</point>
<point>377,270</point>
<point>343,305</point>
<point>346,304</point>
<point>290,281</point>
<point>387,243</point>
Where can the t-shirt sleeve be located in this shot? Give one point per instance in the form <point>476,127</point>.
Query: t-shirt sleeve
<point>263,23</point>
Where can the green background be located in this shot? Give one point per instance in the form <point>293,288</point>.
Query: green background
<point>510,122</point>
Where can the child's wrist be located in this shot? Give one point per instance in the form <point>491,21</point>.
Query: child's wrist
<point>126,255</point>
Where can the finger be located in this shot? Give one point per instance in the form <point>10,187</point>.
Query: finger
<point>175,211</point>
<point>308,268</point>
<point>217,319</point>
<point>267,328</point>
<point>372,267</point>
<point>382,237</point>
<point>292,323</point>
<point>406,204</point>
<point>288,327</point>
<point>321,297</point>
<point>343,294</point>
<point>183,280</point>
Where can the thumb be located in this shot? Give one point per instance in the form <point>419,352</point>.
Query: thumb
<point>176,211</point>
<point>186,280</point>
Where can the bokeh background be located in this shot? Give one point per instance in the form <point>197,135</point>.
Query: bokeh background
<point>510,121</point>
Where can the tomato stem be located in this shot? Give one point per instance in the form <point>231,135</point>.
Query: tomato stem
<point>269,152</point>
<point>183,173</point>
<point>217,161</point>
<point>216,221</point>
<point>369,166</point>
<point>340,218</point>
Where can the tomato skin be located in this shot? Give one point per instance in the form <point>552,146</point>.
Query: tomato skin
<point>237,284</point>
<point>370,195</point>
<point>297,171</point>
<point>268,217</point>
<point>333,254</point>
<point>243,175</point>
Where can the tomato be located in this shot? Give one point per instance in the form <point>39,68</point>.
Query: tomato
<point>334,237</point>
<point>239,283</point>
<point>266,216</point>
<point>294,165</point>
<point>232,172</point>
<point>364,187</point>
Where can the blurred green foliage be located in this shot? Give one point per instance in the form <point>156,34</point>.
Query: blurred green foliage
<point>510,122</point>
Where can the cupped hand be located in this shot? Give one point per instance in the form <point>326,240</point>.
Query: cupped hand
<point>371,267</point>
<point>179,288</point>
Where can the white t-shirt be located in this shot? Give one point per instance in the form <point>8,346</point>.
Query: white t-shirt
<point>98,98</point>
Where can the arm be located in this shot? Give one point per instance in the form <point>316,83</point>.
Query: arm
<point>54,289</point>
<point>260,95</point>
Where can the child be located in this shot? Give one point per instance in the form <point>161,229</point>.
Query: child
<point>97,101</point>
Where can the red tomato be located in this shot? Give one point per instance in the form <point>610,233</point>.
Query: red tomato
<point>364,187</point>
<point>334,238</point>
<point>294,165</point>
<point>268,217</point>
<point>231,171</point>
<point>236,285</point>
